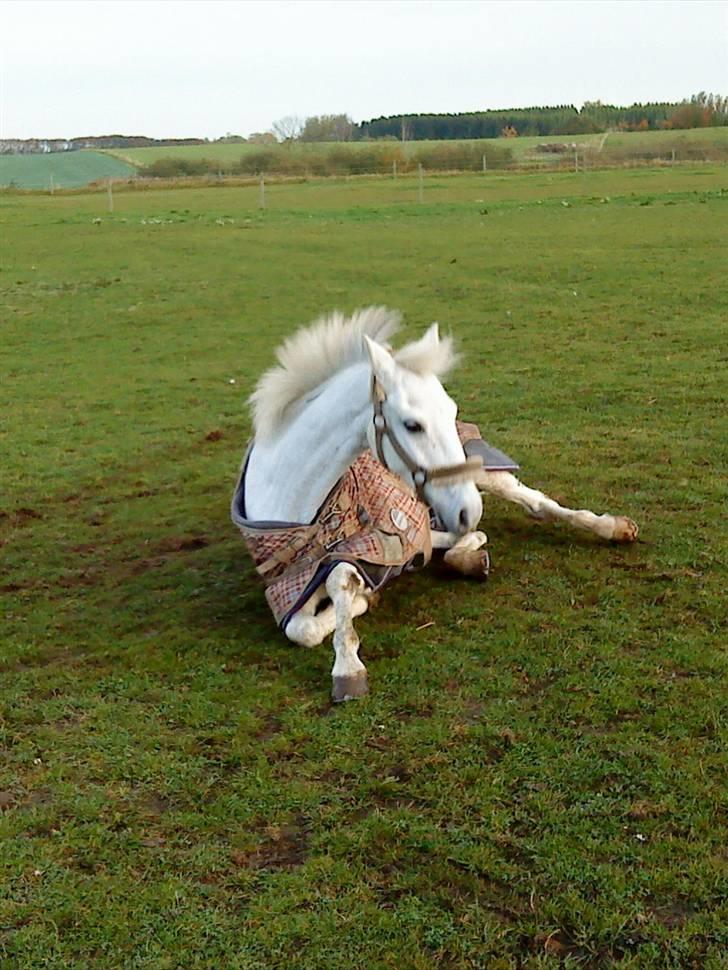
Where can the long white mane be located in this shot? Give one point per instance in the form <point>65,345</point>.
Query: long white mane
<point>330,344</point>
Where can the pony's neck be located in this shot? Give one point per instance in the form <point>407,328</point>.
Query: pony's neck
<point>290,474</point>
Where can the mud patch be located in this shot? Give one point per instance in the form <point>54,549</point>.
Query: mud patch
<point>183,544</point>
<point>163,550</point>
<point>397,773</point>
<point>155,805</point>
<point>561,945</point>
<point>645,809</point>
<point>285,847</point>
<point>153,842</point>
<point>16,587</point>
<point>673,915</point>
<point>270,727</point>
<point>85,577</point>
<point>21,516</point>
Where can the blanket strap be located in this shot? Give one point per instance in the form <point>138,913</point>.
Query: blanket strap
<point>318,539</point>
<point>284,556</point>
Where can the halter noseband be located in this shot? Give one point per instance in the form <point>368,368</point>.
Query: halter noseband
<point>446,475</point>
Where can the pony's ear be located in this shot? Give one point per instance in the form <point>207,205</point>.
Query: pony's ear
<point>425,347</point>
<point>382,362</point>
<point>428,342</point>
<point>422,356</point>
<point>432,334</point>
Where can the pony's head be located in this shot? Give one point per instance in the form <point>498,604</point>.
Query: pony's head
<point>420,425</point>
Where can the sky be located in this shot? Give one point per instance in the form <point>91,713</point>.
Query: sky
<point>203,69</point>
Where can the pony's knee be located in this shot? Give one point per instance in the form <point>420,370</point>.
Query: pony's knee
<point>344,580</point>
<point>360,605</point>
<point>304,630</point>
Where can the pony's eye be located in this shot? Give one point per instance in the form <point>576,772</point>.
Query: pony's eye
<point>414,427</point>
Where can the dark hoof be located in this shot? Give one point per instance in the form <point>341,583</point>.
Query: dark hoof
<point>349,688</point>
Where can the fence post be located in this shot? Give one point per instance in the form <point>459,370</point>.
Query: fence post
<point>420,187</point>
<point>394,168</point>
<point>576,161</point>
<point>262,191</point>
<point>52,185</point>
<point>485,163</point>
<point>111,196</point>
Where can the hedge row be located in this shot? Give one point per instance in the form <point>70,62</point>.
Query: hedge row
<point>340,160</point>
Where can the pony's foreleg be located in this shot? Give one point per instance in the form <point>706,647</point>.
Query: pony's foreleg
<point>465,554</point>
<point>469,556</point>
<point>345,586</point>
<point>310,625</point>
<point>616,528</point>
<point>444,540</point>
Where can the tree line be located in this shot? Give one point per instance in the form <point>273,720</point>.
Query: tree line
<point>699,111</point>
<point>44,146</point>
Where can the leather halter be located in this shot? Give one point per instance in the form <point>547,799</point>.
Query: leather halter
<point>445,475</point>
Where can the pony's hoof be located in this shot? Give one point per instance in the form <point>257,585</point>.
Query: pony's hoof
<point>350,687</point>
<point>474,563</point>
<point>625,530</point>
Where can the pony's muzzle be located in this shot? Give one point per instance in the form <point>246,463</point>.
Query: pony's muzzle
<point>471,512</point>
<point>458,507</point>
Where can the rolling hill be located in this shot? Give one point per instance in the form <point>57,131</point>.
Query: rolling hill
<point>67,170</point>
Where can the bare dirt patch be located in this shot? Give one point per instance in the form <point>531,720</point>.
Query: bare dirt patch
<point>285,847</point>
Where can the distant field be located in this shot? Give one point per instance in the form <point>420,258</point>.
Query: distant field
<point>635,141</point>
<point>77,169</point>
<point>69,170</point>
<point>651,139</point>
<point>524,149</point>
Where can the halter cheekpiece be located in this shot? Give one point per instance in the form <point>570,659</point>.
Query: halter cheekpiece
<point>467,470</point>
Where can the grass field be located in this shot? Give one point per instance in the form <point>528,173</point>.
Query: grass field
<point>539,776</point>
<point>524,149</point>
<point>67,170</point>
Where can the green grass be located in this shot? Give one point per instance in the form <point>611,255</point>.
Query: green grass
<point>539,777</point>
<point>655,139</point>
<point>67,170</point>
<point>628,141</point>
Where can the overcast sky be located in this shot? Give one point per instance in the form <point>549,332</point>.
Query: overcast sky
<point>205,68</point>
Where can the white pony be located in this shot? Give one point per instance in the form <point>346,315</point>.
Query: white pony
<point>338,397</point>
